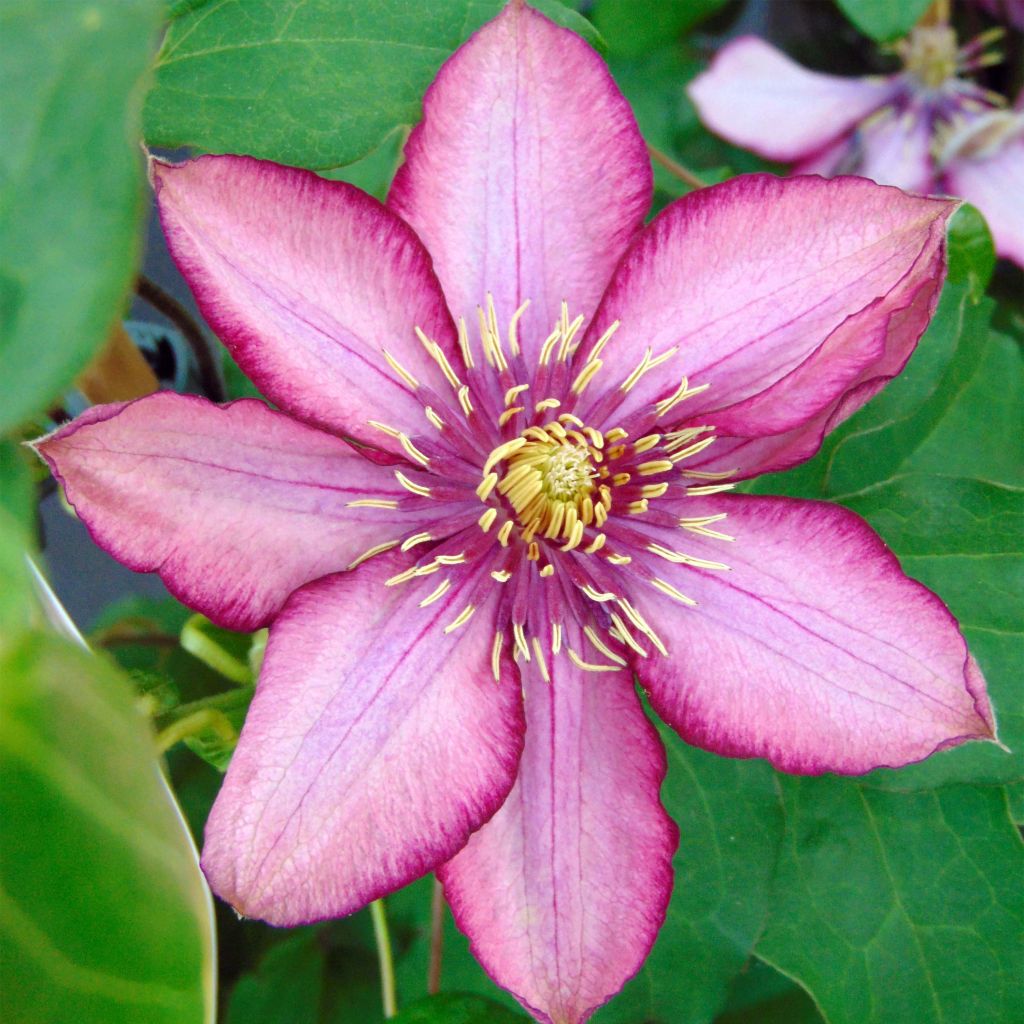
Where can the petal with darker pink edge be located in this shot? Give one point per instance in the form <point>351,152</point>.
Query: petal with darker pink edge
<point>807,276</point>
<point>563,891</point>
<point>235,506</point>
<point>756,97</point>
<point>812,650</point>
<point>527,176</point>
<point>375,745</point>
<point>307,282</point>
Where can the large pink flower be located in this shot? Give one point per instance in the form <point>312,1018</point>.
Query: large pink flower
<point>549,416</point>
<point>926,129</point>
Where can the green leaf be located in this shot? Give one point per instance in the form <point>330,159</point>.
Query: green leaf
<point>70,185</point>
<point>896,908</point>
<point>964,539</point>
<point>882,19</point>
<point>760,995</point>
<point>16,511</point>
<point>972,254</point>
<point>287,986</point>
<point>633,27</point>
<point>730,827</point>
<point>104,912</point>
<point>455,1008</point>
<point>317,84</point>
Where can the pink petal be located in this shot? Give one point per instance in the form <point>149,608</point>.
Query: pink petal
<point>375,745</point>
<point>563,892</point>
<point>995,186</point>
<point>783,295</point>
<point>235,506</point>
<point>755,96</point>
<point>527,176</point>
<point>306,281</point>
<point>813,651</point>
<point>896,150</point>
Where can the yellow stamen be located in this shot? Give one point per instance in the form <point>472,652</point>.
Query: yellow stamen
<point>400,370</point>
<point>372,503</point>
<point>377,549</point>
<point>461,619</point>
<point>412,488</point>
<point>435,594</point>
<point>541,663</point>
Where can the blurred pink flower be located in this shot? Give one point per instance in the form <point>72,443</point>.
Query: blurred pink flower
<point>925,129</point>
<point>536,508</point>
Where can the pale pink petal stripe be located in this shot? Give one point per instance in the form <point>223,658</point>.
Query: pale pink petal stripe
<point>564,890</point>
<point>235,506</point>
<point>755,281</point>
<point>896,150</point>
<point>527,177</point>
<point>755,96</point>
<point>375,745</point>
<point>307,282</point>
<point>814,650</point>
<point>995,186</point>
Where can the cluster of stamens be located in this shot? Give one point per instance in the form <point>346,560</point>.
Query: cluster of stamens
<point>549,487</point>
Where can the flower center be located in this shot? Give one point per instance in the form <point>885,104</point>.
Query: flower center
<point>550,480</point>
<point>930,54</point>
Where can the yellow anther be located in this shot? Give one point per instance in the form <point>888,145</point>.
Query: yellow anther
<point>436,593</point>
<point>541,663</point>
<point>416,538</point>
<point>548,570</point>
<point>513,393</point>
<point>501,575</point>
<point>412,488</point>
<point>509,414</point>
<point>519,635</point>
<point>602,647</point>
<point>496,646</point>
<point>484,488</point>
<point>461,619</point>
<point>653,490</point>
<point>667,588</point>
<point>377,549</point>
<point>486,521</point>
<point>433,417</point>
<point>654,467</point>
<point>546,403</point>
<point>588,666</point>
<point>371,503</point>
<point>400,370</point>
<point>556,638</point>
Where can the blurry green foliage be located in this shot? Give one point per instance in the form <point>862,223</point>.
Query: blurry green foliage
<point>72,74</point>
<point>884,20</point>
<point>103,911</point>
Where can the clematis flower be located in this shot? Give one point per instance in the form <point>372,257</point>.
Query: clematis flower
<point>926,129</point>
<point>548,413</point>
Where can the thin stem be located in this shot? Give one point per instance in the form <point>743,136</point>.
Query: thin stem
<point>170,307</point>
<point>436,938</point>
<point>227,701</point>
<point>196,723</point>
<point>387,964</point>
<point>678,170</point>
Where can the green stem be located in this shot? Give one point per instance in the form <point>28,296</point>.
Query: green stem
<point>677,169</point>
<point>387,965</point>
<point>221,702</point>
<point>198,644</point>
<point>189,726</point>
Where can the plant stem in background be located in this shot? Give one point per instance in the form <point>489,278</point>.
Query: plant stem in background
<point>436,938</point>
<point>387,965</point>
<point>170,307</point>
<point>678,170</point>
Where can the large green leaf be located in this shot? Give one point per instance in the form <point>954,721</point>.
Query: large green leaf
<point>317,84</point>
<point>896,908</point>
<point>286,987</point>
<point>730,827</point>
<point>456,1008</point>
<point>633,27</point>
<point>70,185</point>
<point>104,914</point>
<point>884,19</point>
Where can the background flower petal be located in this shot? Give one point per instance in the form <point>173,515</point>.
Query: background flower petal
<point>783,295</point>
<point>755,96</point>
<point>235,506</point>
<point>896,150</point>
<point>306,281</point>
<point>564,890</point>
<point>814,650</point>
<point>995,185</point>
<point>527,176</point>
<point>375,745</point>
